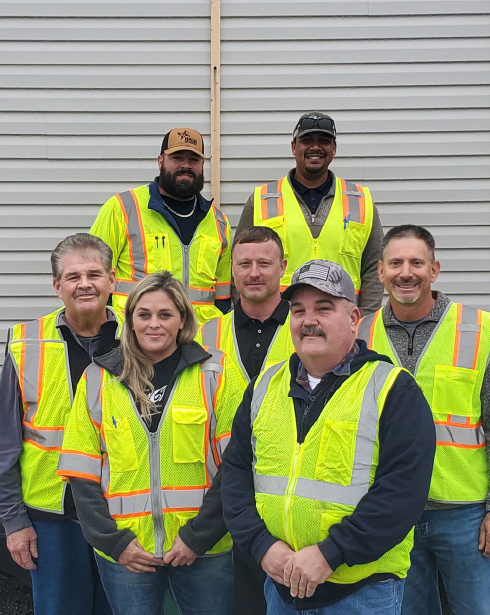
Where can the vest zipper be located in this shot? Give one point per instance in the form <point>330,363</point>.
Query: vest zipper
<point>288,530</point>
<point>185,266</point>
<point>156,494</point>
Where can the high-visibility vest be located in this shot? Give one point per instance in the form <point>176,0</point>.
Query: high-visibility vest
<point>301,490</point>
<point>143,242</point>
<point>220,333</point>
<point>450,373</point>
<point>342,238</point>
<point>153,483</point>
<point>41,360</point>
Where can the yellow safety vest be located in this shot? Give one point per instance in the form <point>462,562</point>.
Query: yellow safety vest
<point>301,490</point>
<point>342,238</point>
<point>143,242</point>
<point>220,333</point>
<point>450,373</point>
<point>153,482</point>
<point>40,357</point>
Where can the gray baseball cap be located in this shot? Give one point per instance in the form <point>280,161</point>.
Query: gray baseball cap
<point>315,121</point>
<point>324,275</point>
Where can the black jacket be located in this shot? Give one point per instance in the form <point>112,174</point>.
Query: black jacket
<point>100,530</point>
<point>384,515</point>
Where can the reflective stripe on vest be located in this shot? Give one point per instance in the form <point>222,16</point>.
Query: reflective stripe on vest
<point>348,495</point>
<point>456,430</point>
<point>353,201</point>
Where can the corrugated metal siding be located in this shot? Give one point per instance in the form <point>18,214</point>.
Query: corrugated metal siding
<point>88,89</point>
<point>408,86</point>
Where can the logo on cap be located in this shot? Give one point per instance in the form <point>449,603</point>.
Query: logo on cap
<point>186,138</point>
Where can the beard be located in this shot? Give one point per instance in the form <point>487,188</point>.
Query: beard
<point>183,190</point>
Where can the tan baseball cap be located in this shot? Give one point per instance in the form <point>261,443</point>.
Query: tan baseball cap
<point>179,139</point>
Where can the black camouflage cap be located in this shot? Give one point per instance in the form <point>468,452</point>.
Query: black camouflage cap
<point>324,275</point>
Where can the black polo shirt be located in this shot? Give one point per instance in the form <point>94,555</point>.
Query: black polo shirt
<point>254,337</point>
<point>313,196</point>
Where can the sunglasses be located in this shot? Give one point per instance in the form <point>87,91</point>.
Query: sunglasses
<point>308,123</point>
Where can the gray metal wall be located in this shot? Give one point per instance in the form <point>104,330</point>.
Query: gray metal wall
<point>88,90</point>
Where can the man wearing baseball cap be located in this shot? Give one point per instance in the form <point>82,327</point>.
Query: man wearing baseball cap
<point>329,461</point>
<point>317,214</point>
<point>169,225</point>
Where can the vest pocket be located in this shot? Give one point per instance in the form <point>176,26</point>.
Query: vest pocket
<point>450,384</point>
<point>189,434</point>
<point>353,240</point>
<point>158,252</point>
<point>120,445</point>
<point>336,455</point>
<point>208,255</point>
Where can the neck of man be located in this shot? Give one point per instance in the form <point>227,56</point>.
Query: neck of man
<point>407,312</point>
<point>86,326</point>
<point>318,366</point>
<point>311,181</point>
<point>176,198</point>
<point>263,310</point>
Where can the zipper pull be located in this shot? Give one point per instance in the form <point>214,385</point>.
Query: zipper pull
<point>163,241</point>
<point>156,239</point>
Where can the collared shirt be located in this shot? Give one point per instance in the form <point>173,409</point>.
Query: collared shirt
<point>342,369</point>
<point>254,337</point>
<point>313,196</point>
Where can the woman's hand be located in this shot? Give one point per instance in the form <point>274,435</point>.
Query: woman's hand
<point>136,559</point>
<point>180,554</point>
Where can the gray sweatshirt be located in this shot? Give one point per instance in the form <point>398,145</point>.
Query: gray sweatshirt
<point>371,288</point>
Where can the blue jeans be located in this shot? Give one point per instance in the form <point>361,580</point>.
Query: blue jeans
<point>383,598</point>
<point>66,579</point>
<point>447,541</point>
<point>204,588</point>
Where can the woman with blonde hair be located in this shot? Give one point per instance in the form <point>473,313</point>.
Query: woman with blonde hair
<point>142,448</point>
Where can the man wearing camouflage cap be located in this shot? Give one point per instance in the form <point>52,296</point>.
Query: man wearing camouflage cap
<point>319,215</point>
<point>329,461</point>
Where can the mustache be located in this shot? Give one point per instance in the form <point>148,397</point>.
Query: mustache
<point>312,330</point>
<point>185,172</point>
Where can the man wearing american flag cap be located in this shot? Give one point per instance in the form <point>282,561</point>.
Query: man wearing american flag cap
<point>329,462</point>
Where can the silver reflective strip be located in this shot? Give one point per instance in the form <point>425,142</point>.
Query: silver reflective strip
<point>47,438</point>
<point>273,485</point>
<point>468,335</point>
<point>137,248</point>
<point>222,227</point>
<point>31,385</point>
<point>455,418</point>
<point>210,333</point>
<point>222,444</point>
<point>223,290</point>
<point>78,463</point>
<point>201,296</point>
<point>364,328</point>
<point>141,502</point>
<point>460,435</point>
<point>237,348</point>
<point>353,196</point>
<point>363,456</point>
<point>124,288</point>
<point>211,368</point>
<point>94,384</point>
<point>272,198</point>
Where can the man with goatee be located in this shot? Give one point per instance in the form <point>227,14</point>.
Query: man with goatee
<point>168,224</point>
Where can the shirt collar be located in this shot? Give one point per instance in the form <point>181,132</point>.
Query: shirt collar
<point>342,369</point>
<point>280,314</point>
<point>327,188</point>
<point>440,304</point>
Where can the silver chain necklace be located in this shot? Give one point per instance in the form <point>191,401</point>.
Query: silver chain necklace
<point>183,215</point>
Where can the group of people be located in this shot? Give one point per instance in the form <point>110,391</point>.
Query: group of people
<point>306,451</point>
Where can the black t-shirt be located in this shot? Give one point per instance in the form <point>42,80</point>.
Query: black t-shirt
<point>187,226</point>
<point>254,337</point>
<point>162,381</point>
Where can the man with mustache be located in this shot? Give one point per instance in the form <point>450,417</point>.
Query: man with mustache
<point>46,359</point>
<point>255,335</point>
<point>329,462</point>
<point>446,346</point>
<point>168,224</point>
<point>319,215</point>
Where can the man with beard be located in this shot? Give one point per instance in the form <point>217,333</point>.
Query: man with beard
<point>169,225</point>
<point>446,346</point>
<point>318,215</point>
<point>329,462</point>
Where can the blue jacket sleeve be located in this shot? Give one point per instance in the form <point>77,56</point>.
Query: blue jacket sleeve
<point>397,497</point>
<point>13,513</point>
<point>237,490</point>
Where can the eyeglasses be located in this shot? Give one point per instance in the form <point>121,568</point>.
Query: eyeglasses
<point>307,123</point>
